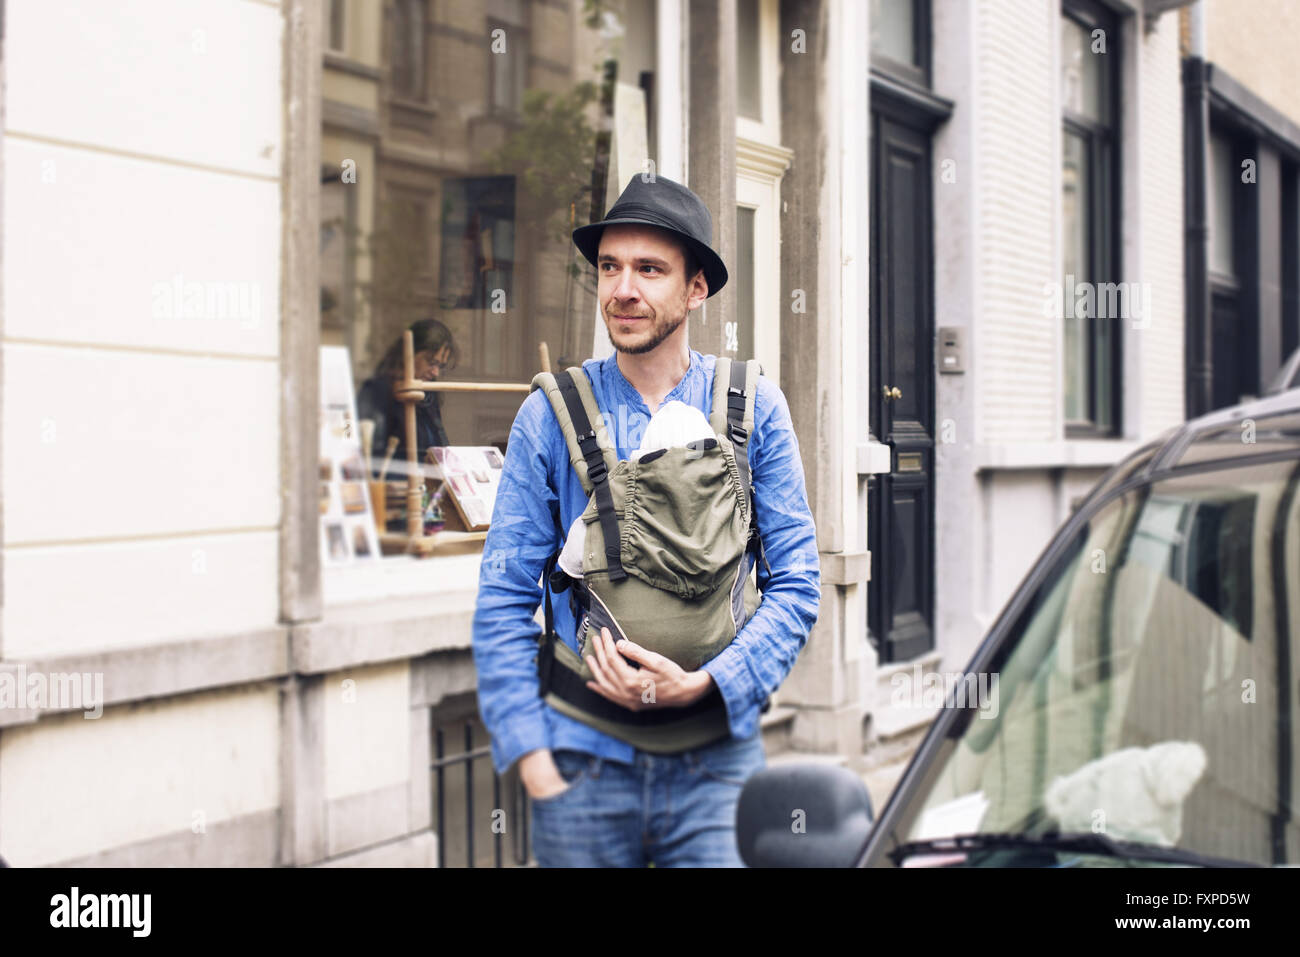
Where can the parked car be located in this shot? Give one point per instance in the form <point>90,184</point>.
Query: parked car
<point>1288,377</point>
<point>1147,683</point>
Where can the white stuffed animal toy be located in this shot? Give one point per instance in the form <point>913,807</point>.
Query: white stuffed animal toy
<point>1135,794</point>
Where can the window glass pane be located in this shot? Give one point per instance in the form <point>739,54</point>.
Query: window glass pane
<point>749,90</point>
<point>1222,180</point>
<point>1075,202</point>
<point>893,30</point>
<point>1081,72</point>
<point>455,222</point>
<point>744,338</point>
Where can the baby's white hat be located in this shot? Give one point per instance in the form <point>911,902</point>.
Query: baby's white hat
<point>675,424</point>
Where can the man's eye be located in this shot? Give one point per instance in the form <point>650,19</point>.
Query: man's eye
<point>655,268</point>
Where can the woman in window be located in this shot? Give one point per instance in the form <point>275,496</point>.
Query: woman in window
<point>435,352</point>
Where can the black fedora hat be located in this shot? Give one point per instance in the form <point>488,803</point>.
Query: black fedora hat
<point>655,201</point>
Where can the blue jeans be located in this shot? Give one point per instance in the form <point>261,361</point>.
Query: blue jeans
<point>673,810</point>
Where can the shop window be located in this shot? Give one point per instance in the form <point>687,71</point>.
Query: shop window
<point>450,220</point>
<point>1089,201</point>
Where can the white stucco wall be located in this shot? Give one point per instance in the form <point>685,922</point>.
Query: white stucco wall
<point>141,480</point>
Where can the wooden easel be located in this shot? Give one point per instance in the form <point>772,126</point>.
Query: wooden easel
<point>410,391</point>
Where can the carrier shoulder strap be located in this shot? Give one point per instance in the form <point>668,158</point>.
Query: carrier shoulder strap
<point>735,384</point>
<point>590,451</point>
<point>550,384</point>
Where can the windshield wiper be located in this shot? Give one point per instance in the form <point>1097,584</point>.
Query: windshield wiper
<point>1098,844</point>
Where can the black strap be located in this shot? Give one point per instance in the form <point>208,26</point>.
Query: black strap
<point>546,644</point>
<point>740,440</point>
<point>597,473</point>
<point>736,419</point>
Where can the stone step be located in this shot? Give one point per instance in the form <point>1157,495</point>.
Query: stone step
<point>890,720</point>
<point>894,748</point>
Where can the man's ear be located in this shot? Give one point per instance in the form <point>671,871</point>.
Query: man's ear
<point>697,290</point>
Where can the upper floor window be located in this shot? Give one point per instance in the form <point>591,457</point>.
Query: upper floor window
<point>757,70</point>
<point>749,89</point>
<point>507,64</point>
<point>1089,204</point>
<point>408,62</point>
<point>335,36</point>
<point>1222,188</point>
<point>900,38</point>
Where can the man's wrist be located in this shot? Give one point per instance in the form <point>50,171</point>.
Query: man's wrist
<point>703,684</point>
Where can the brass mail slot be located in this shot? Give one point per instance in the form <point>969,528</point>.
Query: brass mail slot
<point>909,461</point>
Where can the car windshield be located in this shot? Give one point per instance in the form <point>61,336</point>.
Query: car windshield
<point>1148,691</point>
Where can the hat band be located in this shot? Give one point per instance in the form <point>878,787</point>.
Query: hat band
<point>654,215</point>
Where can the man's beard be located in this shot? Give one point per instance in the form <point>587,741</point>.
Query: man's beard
<point>659,333</point>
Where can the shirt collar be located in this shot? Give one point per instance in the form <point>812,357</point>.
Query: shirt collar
<point>613,373</point>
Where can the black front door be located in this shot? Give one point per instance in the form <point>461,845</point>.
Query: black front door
<point>900,503</point>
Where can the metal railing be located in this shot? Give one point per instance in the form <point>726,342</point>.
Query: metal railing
<point>513,819</point>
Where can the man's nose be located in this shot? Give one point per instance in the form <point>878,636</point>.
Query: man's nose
<point>626,289</point>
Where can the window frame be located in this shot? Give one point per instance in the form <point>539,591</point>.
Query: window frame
<point>1102,145</point>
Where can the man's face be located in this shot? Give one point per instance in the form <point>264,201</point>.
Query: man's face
<point>643,289</point>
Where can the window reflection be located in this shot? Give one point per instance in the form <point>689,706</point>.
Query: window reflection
<point>462,144</point>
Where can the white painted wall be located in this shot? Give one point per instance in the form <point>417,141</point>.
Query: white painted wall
<point>141,426</point>
<point>71,786</point>
<point>141,484</point>
<point>363,723</point>
<point>1017,201</point>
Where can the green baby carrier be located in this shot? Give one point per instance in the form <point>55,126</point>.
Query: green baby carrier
<point>670,543</point>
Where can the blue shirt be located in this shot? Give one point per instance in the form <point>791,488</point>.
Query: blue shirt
<point>539,497</point>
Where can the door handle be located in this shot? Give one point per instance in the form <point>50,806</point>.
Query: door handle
<point>891,393</point>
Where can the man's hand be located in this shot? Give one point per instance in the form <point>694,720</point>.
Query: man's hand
<point>659,683</point>
<point>540,777</point>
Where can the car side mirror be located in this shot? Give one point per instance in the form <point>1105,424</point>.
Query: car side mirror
<point>803,815</point>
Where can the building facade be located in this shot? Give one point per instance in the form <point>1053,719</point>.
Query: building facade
<point>956,239</point>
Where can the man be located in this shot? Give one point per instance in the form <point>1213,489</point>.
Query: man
<point>597,800</point>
